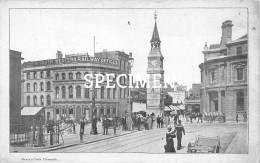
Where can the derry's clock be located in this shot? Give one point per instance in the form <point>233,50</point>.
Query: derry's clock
<point>153,62</point>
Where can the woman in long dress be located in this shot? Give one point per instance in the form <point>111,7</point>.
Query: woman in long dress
<point>169,147</point>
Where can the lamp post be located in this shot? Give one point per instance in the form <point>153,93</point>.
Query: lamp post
<point>93,91</point>
<point>130,65</point>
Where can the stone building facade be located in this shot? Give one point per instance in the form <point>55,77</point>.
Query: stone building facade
<point>14,84</point>
<point>58,85</point>
<point>224,75</point>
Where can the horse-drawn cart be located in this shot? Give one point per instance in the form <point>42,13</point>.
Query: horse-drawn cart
<point>204,144</point>
<point>213,116</point>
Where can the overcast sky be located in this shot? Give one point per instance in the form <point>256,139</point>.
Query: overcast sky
<point>39,33</point>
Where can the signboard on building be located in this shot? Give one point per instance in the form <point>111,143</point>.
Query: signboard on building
<point>73,59</point>
<point>177,96</point>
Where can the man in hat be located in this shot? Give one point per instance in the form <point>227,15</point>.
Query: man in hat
<point>179,129</point>
<point>105,125</point>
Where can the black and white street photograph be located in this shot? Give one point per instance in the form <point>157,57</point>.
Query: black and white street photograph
<point>146,80</point>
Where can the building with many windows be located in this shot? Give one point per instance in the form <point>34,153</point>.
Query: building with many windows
<point>224,75</point>
<point>58,85</point>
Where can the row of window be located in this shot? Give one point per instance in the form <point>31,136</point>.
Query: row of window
<point>48,74</point>
<point>28,87</point>
<point>35,101</point>
<point>239,75</point>
<point>122,93</point>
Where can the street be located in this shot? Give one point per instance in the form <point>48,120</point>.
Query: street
<point>233,139</point>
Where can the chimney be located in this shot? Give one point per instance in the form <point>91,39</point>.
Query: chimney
<point>59,55</point>
<point>226,32</point>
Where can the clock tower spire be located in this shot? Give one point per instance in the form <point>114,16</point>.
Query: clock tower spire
<point>155,102</point>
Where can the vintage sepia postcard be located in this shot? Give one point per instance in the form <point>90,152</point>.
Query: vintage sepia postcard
<point>129,81</point>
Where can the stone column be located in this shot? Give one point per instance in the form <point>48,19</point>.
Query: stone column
<point>207,102</point>
<point>219,101</point>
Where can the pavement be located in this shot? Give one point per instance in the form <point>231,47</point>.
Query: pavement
<point>233,138</point>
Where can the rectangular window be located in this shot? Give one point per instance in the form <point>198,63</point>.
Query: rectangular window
<point>57,111</point>
<point>86,93</point>
<point>70,111</point>
<point>28,75</point>
<point>213,76</point>
<point>240,74</point>
<point>239,50</point>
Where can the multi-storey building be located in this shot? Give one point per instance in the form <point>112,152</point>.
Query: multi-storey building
<point>224,74</point>
<point>58,85</point>
<point>15,86</point>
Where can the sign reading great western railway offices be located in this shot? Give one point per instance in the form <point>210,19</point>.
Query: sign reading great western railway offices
<point>73,59</point>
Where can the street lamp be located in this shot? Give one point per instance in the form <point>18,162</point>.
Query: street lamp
<point>93,91</point>
<point>130,65</point>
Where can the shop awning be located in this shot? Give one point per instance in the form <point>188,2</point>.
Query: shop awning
<point>181,107</point>
<point>31,110</point>
<point>139,107</point>
<point>167,108</point>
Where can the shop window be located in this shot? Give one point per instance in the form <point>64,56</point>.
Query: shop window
<point>240,101</point>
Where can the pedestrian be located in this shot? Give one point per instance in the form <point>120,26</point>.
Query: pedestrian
<point>149,122</point>
<point>94,125</point>
<point>105,125</point>
<point>82,124</point>
<point>176,118</point>
<point>114,124</point>
<point>129,122</point>
<point>152,120</point>
<point>81,133</point>
<point>138,121</point>
<point>179,129</point>
<point>74,127</point>
<point>168,120</point>
<point>158,120</point>
<point>169,147</point>
<point>237,117</point>
<point>161,119</point>
<point>245,116</point>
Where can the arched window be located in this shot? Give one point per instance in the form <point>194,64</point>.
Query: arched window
<point>35,75</point>
<point>48,100</point>
<point>63,92</point>
<point>102,92</point>
<point>48,86</point>
<point>57,92</point>
<point>57,76</point>
<point>78,75</point>
<point>48,73</point>
<point>70,92</point>
<point>28,87</point>
<point>35,87</point>
<point>42,74</point>
<point>35,100</point>
<point>42,100</point>
<point>240,101</point>
<point>71,76</point>
<point>63,76</point>
<point>78,92</point>
<point>28,75</point>
<point>108,93</point>
<point>114,93</point>
<point>86,92</point>
<point>42,86</point>
<point>28,100</point>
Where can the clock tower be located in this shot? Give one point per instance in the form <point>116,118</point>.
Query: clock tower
<point>155,102</point>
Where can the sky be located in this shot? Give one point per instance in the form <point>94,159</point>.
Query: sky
<point>39,33</point>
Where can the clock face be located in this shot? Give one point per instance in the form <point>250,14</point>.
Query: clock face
<point>153,62</point>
